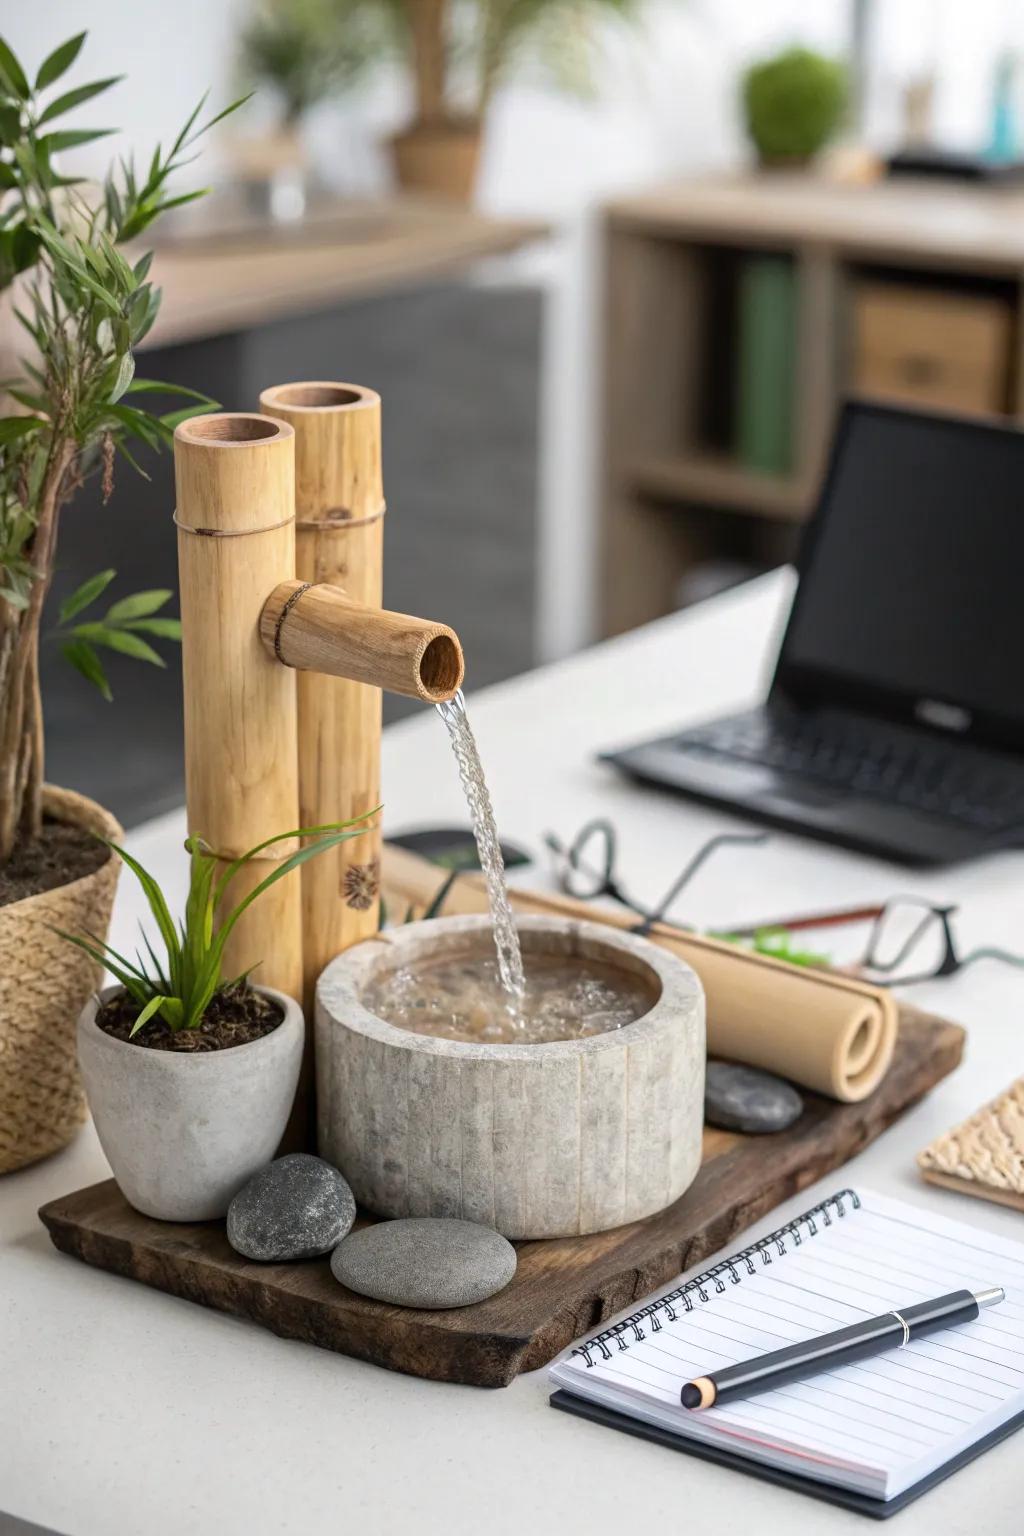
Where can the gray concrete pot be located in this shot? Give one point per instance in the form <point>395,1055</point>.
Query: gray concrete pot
<point>184,1132</point>
<point>549,1140</point>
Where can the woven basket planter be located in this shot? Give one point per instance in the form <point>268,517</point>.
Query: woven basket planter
<point>44,985</point>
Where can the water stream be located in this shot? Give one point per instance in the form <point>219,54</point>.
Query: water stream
<point>485,831</point>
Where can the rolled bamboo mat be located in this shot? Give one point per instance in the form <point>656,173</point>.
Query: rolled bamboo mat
<point>828,1032</point>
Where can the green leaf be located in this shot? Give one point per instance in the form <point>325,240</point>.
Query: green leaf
<point>59,61</point>
<point>149,428</point>
<point>311,851</point>
<point>32,402</point>
<point>13,73</point>
<point>225,112</point>
<point>87,593</point>
<point>10,126</point>
<point>75,98</point>
<point>154,895</point>
<point>172,419</point>
<point>155,1003</point>
<point>125,374</point>
<point>84,659</point>
<point>157,387</point>
<point>441,896</point>
<point>173,1013</point>
<point>8,175</point>
<point>70,138</point>
<point>110,961</point>
<point>163,629</point>
<point>14,427</point>
<point>138,606</point>
<point>123,641</point>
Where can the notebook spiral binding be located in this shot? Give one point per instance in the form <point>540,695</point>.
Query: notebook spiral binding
<point>733,1267</point>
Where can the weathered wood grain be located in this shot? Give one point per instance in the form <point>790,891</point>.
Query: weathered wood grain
<point>562,1288</point>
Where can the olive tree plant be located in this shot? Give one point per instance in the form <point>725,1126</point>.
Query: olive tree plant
<point>84,299</point>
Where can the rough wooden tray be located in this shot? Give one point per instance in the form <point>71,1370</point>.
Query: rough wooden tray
<point>562,1287</point>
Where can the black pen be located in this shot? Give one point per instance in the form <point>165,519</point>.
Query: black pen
<point>828,1351</point>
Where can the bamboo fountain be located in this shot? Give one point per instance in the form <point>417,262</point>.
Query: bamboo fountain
<point>285,648</point>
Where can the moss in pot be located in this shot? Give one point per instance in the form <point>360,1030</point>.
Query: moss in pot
<point>190,1075</point>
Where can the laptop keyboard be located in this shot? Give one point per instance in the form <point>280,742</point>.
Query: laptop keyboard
<point>955,782</point>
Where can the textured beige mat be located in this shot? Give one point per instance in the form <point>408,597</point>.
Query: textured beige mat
<point>985,1155</point>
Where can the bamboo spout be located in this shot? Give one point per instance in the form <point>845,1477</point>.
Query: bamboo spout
<point>320,629</point>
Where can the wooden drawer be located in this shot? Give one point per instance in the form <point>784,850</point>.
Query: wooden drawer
<point>931,348</point>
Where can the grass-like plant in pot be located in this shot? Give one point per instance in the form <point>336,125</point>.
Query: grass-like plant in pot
<point>84,305</point>
<point>793,104</point>
<point>190,1073</point>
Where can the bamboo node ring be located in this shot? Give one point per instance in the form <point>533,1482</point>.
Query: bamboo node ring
<point>285,611</point>
<point>338,519</point>
<point>230,533</point>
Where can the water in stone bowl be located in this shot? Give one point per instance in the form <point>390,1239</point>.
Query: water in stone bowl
<point>565,997</point>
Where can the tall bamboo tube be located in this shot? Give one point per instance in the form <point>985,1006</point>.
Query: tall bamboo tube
<point>339,500</point>
<point>236,541</point>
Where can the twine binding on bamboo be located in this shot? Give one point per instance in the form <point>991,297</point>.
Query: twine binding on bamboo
<point>44,985</point>
<point>285,611</point>
<point>229,533</point>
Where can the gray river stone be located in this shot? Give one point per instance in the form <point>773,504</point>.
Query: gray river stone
<point>425,1261</point>
<point>297,1207</point>
<point>740,1098</point>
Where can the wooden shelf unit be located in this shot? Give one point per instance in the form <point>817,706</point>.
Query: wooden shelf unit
<point>666,481</point>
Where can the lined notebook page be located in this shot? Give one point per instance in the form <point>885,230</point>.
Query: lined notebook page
<point>878,1426</point>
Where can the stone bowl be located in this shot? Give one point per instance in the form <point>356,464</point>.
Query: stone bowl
<point>553,1140</point>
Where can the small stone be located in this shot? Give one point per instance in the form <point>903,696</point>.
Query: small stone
<point>297,1207</point>
<point>743,1099</point>
<point>425,1261</point>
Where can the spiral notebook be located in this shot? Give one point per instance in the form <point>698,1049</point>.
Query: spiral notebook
<point>870,1436</point>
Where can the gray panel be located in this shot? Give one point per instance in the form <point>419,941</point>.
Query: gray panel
<point>458,370</point>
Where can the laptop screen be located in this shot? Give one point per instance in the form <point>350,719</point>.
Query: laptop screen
<point>911,596</point>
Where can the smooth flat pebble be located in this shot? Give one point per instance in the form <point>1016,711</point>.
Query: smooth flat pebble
<point>297,1207</point>
<point>738,1098</point>
<point>425,1261</point>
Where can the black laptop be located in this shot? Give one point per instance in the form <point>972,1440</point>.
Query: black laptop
<point>895,721</point>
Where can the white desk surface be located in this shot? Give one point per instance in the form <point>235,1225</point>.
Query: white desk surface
<point>124,1411</point>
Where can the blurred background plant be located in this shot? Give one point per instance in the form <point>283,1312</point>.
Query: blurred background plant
<point>794,104</point>
<point>306,51</point>
<point>457,52</point>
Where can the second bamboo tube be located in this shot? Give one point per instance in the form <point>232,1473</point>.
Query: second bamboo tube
<point>339,508</point>
<point>235,513</point>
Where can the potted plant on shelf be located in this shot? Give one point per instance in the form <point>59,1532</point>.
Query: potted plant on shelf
<point>304,51</point>
<point>793,105</point>
<point>190,1074</point>
<point>460,53</point>
<point>84,306</point>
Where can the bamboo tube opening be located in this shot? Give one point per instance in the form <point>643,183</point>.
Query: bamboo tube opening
<point>441,669</point>
<point>317,397</point>
<point>228,428</point>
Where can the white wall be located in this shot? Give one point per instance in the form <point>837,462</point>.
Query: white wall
<point>667,106</point>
